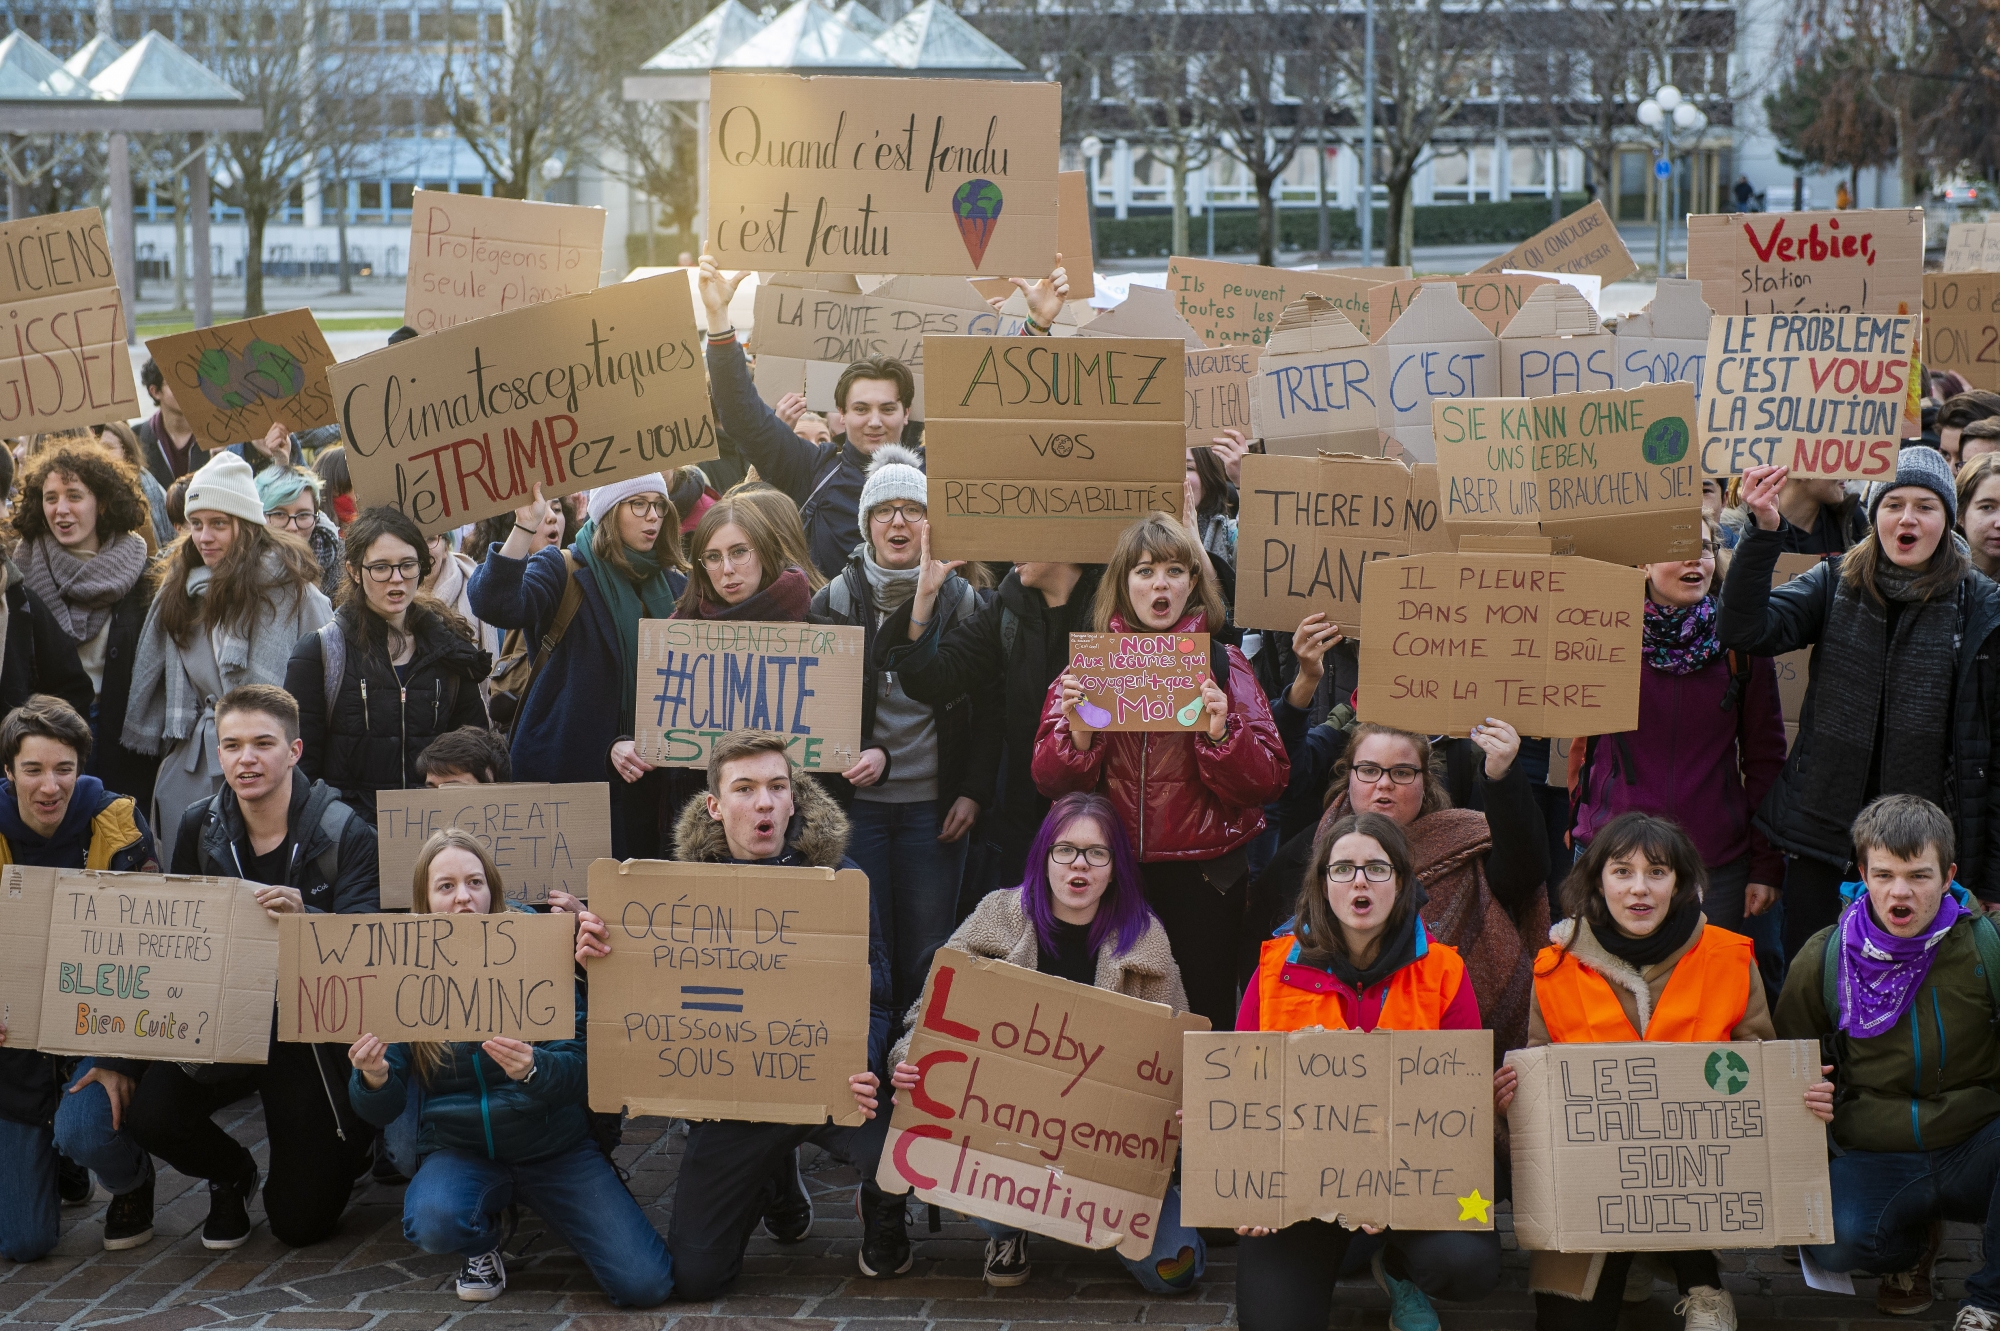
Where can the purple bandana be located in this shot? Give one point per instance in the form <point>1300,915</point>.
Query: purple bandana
<point>1881,973</point>
<point>1681,639</point>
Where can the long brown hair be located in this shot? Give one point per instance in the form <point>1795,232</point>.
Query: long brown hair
<point>1156,537</point>
<point>429,1056</point>
<point>759,527</point>
<point>784,515</point>
<point>1435,795</point>
<point>1318,930</point>
<point>608,546</point>
<point>369,526</point>
<point>241,583</point>
<point>1948,567</point>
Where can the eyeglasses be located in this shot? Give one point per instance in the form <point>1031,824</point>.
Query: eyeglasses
<point>736,556</point>
<point>296,521</point>
<point>1375,871</point>
<point>1095,856</point>
<point>911,514</point>
<point>1711,548</point>
<point>1402,773</point>
<point>407,571</point>
<point>646,508</point>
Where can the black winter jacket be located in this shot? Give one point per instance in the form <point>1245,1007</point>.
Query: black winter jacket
<point>40,658</point>
<point>1759,620</point>
<point>377,728</point>
<point>120,769</point>
<point>971,659</point>
<point>212,833</point>
<point>968,743</point>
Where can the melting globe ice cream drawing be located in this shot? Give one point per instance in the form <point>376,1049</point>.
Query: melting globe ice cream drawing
<point>976,205</point>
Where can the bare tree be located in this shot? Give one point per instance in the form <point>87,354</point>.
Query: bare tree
<point>1430,56</point>
<point>650,146</point>
<point>516,88</point>
<point>1155,85</point>
<point>1260,91</point>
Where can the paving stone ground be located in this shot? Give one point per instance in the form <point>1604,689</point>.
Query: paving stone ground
<point>367,1278</point>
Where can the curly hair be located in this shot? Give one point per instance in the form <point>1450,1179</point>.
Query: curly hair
<point>121,504</point>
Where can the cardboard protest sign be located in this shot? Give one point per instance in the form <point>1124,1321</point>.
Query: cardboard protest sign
<point>1493,298</point>
<point>1427,532</point>
<point>811,327</point>
<point>1140,681</point>
<point>1241,303</point>
<point>879,175</point>
<point>1548,643</point>
<point>1145,312</point>
<point>1822,394</point>
<point>1073,242</point>
<point>62,350</point>
<point>735,991</point>
<point>1048,448</point>
<point>541,836</point>
<point>1962,326</point>
<point>1860,261</point>
<point>136,965</point>
<point>1965,247</point>
<point>1306,528</point>
<point>1556,344</point>
<point>471,256</point>
<point>1667,342</point>
<point>463,424</point>
<point>233,380</point>
<point>1218,393</point>
<point>427,977</point>
<point>1586,241</point>
<point>1384,1128</point>
<point>1654,1147</point>
<point>1042,1104</point>
<point>1317,385</point>
<point>1608,475</point>
<point>1436,349</point>
<point>699,679</point>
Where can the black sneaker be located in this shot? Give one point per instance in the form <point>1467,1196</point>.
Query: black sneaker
<point>885,1239</point>
<point>128,1221</point>
<point>1007,1261</point>
<point>789,1218</point>
<point>72,1181</point>
<point>483,1278</point>
<point>228,1223</point>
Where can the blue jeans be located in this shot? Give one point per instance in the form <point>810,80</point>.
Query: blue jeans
<point>454,1204</point>
<point>1883,1202</point>
<point>1164,1270</point>
<point>912,879</point>
<point>84,1134</point>
<point>29,1209</point>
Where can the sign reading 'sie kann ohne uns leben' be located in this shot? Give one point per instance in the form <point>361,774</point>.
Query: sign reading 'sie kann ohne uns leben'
<point>874,175</point>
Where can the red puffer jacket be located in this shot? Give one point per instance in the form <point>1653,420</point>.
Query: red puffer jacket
<point>1183,797</point>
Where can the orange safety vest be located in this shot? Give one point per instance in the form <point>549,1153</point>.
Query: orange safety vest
<point>1418,994</point>
<point>1703,1001</point>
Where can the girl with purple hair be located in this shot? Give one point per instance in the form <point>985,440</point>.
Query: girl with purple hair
<point>1080,913</point>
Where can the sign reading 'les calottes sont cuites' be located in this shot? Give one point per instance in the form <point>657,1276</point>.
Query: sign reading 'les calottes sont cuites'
<point>872,175</point>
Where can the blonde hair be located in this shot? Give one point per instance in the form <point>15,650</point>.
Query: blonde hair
<point>426,1056</point>
<point>1156,537</point>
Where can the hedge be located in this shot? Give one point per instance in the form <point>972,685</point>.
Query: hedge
<point>1151,235</point>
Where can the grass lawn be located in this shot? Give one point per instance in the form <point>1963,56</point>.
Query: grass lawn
<point>162,325</point>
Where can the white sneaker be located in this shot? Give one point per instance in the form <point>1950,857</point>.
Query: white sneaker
<point>484,1278</point>
<point>1976,1319</point>
<point>1708,1309</point>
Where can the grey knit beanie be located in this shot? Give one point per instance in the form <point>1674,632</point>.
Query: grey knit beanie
<point>895,472</point>
<point>1924,466</point>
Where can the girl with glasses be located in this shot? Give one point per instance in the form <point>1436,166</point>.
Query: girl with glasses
<point>291,504</point>
<point>1080,913</point>
<point>1635,960</point>
<point>627,564</point>
<point>1710,742</point>
<point>1356,956</point>
<point>234,598</point>
<point>394,670</point>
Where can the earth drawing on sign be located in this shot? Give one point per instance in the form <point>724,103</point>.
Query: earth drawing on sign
<point>976,205</point>
<point>264,372</point>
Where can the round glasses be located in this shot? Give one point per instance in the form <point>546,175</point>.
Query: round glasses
<point>911,514</point>
<point>646,508</point>
<point>1095,856</point>
<point>407,571</point>
<point>296,521</point>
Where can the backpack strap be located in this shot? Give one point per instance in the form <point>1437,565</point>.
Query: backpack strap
<point>333,822</point>
<point>572,600</point>
<point>840,595</point>
<point>1739,681</point>
<point>333,661</point>
<point>1829,977</point>
<point>1986,937</point>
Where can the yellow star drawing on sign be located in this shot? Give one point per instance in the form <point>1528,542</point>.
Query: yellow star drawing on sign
<point>1475,1208</point>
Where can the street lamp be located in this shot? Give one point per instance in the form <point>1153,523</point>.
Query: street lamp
<point>1092,148</point>
<point>1678,123</point>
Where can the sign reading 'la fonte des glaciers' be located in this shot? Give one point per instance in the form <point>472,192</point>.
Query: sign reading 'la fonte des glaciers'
<point>572,394</point>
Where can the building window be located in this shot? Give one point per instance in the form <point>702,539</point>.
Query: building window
<point>361,26</point>
<point>1527,169</point>
<point>371,196</point>
<point>395,25</point>
<point>430,26</point>
<point>402,195</point>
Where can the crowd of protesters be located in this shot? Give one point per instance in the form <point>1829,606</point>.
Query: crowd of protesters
<point>214,662</point>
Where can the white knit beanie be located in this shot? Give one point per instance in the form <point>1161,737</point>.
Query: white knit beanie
<point>605,497</point>
<point>225,485</point>
<point>894,473</point>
